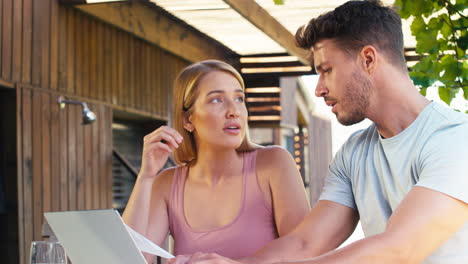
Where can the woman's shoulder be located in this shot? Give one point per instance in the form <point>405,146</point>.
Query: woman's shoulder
<point>272,153</point>
<point>163,182</point>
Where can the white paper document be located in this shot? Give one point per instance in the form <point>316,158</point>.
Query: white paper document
<point>147,245</point>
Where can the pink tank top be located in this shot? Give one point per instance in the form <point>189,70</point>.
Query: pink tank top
<point>253,227</point>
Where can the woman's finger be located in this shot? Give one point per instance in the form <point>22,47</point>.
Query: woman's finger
<point>163,137</point>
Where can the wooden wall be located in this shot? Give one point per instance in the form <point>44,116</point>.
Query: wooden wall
<point>62,164</point>
<point>47,50</point>
<point>58,48</point>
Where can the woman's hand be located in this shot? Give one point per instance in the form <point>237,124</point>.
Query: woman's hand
<point>157,146</point>
<point>202,258</point>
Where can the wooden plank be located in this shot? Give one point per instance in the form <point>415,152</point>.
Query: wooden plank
<point>101,123</point>
<point>62,49</point>
<point>45,68</point>
<point>148,85</point>
<point>92,58</point>
<point>122,45</point>
<point>95,159</point>
<point>56,154</point>
<point>46,152</point>
<point>27,41</point>
<point>130,87</point>
<point>71,52</point>
<point>100,61</point>
<point>17,39</point>
<point>36,164</point>
<point>260,18</point>
<point>86,57</point>
<point>80,168</point>
<point>159,81</point>
<point>37,40</point>
<point>114,93</point>
<point>27,169</point>
<point>7,36</point>
<point>107,64</point>
<point>79,41</point>
<point>63,159</point>
<point>163,31</point>
<point>74,122</point>
<point>88,156</point>
<point>127,74</point>
<point>54,43</point>
<point>109,148</point>
<point>21,165</point>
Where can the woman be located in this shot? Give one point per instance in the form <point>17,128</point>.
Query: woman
<point>227,196</point>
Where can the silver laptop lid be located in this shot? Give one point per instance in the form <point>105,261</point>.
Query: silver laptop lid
<point>94,236</point>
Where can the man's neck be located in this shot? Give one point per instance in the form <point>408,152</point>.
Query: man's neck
<point>396,104</point>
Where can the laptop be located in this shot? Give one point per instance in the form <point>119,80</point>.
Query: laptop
<point>95,236</point>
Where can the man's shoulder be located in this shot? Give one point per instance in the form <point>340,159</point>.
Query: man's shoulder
<point>357,143</point>
<point>448,116</point>
<point>362,137</point>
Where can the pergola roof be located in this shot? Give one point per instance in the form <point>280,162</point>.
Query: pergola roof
<point>236,30</point>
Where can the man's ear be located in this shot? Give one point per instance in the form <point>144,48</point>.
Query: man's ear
<point>368,58</point>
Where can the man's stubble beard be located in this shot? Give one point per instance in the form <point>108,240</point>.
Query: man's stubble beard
<point>355,102</point>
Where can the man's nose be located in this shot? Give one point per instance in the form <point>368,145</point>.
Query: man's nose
<point>320,89</point>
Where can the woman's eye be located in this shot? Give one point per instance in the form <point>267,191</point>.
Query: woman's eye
<point>215,100</point>
<point>240,99</point>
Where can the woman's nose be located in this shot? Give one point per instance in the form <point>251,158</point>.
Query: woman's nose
<point>232,110</point>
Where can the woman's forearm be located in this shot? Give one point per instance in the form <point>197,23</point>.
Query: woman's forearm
<point>136,213</point>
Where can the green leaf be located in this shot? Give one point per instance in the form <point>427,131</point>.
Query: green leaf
<point>446,30</point>
<point>423,91</point>
<point>279,2</point>
<point>418,25</point>
<point>452,69</point>
<point>420,79</point>
<point>463,42</point>
<point>427,42</point>
<point>446,94</point>
<point>435,23</point>
<point>465,92</point>
<point>460,52</point>
<point>402,9</point>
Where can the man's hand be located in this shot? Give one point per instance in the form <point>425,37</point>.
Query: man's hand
<point>202,258</point>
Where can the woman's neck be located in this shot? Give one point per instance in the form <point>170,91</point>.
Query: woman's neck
<point>212,166</point>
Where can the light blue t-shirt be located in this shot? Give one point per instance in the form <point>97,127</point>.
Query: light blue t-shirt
<point>373,175</point>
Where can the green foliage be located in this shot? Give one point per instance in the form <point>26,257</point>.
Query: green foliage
<point>440,28</point>
<point>279,2</point>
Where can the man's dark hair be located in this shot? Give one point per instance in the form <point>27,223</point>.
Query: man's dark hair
<point>356,24</point>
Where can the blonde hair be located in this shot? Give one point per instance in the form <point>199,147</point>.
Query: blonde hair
<point>185,93</point>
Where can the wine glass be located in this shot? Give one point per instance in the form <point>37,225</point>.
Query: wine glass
<point>43,252</point>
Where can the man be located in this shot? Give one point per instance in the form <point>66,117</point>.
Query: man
<point>405,177</point>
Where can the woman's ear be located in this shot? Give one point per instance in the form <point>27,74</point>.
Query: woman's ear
<point>188,123</point>
<point>368,58</point>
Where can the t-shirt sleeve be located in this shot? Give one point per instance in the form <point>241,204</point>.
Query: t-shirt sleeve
<point>444,163</point>
<point>337,187</point>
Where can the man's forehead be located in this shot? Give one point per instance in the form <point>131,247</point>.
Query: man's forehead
<point>321,44</point>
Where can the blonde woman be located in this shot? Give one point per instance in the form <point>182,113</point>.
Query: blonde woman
<point>227,195</point>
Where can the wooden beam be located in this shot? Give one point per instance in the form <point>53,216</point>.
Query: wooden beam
<point>260,18</point>
<point>151,23</point>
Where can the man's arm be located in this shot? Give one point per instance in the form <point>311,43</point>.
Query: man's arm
<point>424,220</point>
<point>323,229</point>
